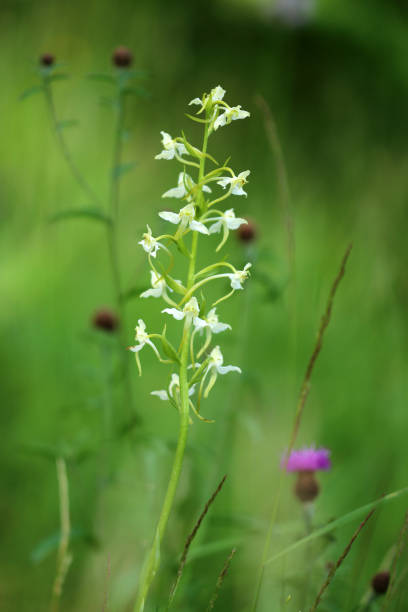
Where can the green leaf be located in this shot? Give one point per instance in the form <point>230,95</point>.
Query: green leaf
<point>57,77</point>
<point>51,543</point>
<point>121,169</point>
<point>31,91</point>
<point>343,520</point>
<point>212,548</point>
<point>134,292</point>
<point>66,123</point>
<point>101,76</point>
<point>136,91</point>
<point>74,213</point>
<point>169,350</point>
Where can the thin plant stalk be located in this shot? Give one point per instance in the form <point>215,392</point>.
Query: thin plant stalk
<point>340,561</point>
<point>113,208</point>
<point>304,392</point>
<point>75,171</point>
<point>191,537</point>
<point>153,558</point>
<point>220,580</point>
<point>64,557</point>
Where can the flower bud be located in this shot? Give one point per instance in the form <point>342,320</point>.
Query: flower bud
<point>105,320</point>
<point>247,232</point>
<point>306,488</point>
<point>47,59</point>
<point>380,582</point>
<point>122,57</point>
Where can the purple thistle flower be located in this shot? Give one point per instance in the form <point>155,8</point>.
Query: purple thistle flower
<point>307,460</point>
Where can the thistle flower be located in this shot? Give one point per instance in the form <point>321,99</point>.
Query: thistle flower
<point>105,320</point>
<point>122,57</point>
<point>235,182</point>
<point>185,218</point>
<point>306,462</point>
<point>171,147</point>
<point>47,59</point>
<point>248,232</point>
<point>380,582</point>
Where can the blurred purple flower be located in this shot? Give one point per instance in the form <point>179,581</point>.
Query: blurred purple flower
<point>307,460</point>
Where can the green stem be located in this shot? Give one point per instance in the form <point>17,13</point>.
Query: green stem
<point>77,174</point>
<point>267,544</point>
<point>112,229</point>
<point>153,559</point>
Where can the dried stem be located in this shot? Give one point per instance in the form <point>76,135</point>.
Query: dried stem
<point>64,556</point>
<point>393,572</point>
<point>340,561</point>
<point>283,182</point>
<point>191,538</point>
<point>304,391</point>
<point>220,580</point>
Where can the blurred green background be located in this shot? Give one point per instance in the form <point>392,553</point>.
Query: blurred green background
<point>336,79</point>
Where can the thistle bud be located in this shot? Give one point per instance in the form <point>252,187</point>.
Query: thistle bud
<point>122,57</point>
<point>106,320</point>
<point>306,488</point>
<point>247,232</point>
<point>47,59</point>
<point>380,582</point>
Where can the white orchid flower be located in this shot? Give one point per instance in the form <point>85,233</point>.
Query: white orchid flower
<point>216,95</point>
<point>215,366</point>
<point>173,391</point>
<point>226,221</point>
<point>171,147</point>
<point>184,188</point>
<point>149,243</point>
<point>142,338</point>
<point>230,114</point>
<point>239,276</point>
<point>159,286</point>
<point>216,363</point>
<point>212,322</point>
<point>186,218</point>
<point>190,311</point>
<point>235,182</point>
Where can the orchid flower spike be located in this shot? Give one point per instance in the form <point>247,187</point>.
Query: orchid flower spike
<point>190,311</point>
<point>142,338</point>
<point>173,391</point>
<point>230,114</point>
<point>150,244</point>
<point>235,183</point>
<point>171,147</point>
<point>185,218</point>
<point>184,188</point>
